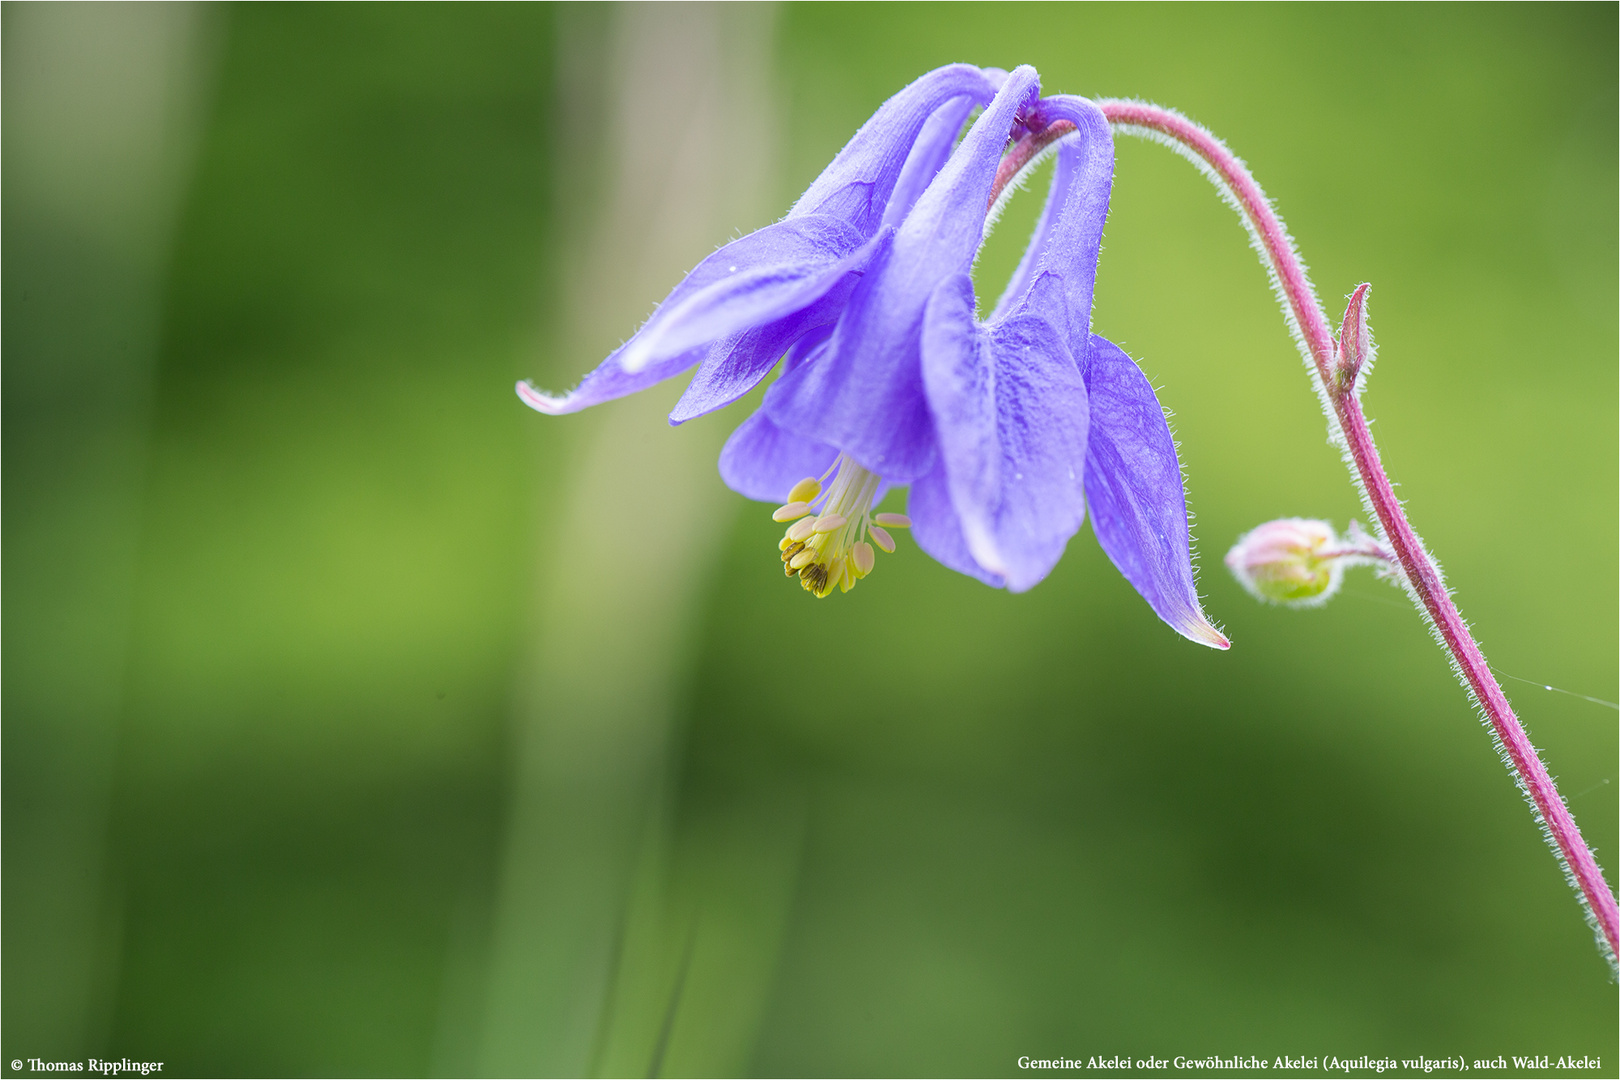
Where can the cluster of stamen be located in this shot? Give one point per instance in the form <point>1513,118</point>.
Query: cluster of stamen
<point>827,545</point>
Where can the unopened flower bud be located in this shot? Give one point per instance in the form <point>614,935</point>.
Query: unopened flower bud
<point>1354,352</point>
<point>1293,561</point>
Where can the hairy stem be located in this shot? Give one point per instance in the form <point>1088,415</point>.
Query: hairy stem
<point>1348,427</point>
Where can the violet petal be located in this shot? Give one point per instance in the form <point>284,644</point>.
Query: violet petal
<point>841,211</point>
<point>765,276</point>
<point>859,182</point>
<point>1010,411</point>
<point>934,144</point>
<point>736,365</point>
<point>938,531</point>
<point>761,461</point>
<point>1133,485</point>
<point>608,381</point>
<point>1068,237</point>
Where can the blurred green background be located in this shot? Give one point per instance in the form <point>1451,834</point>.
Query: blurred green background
<point>360,721</point>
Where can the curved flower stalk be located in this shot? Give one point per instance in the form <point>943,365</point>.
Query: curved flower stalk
<point>1007,430</point>
<point>1339,367</point>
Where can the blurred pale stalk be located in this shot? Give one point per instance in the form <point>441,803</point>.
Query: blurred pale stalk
<point>100,115</point>
<point>670,114</point>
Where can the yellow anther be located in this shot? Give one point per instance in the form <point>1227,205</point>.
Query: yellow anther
<point>862,558</point>
<point>805,490</point>
<point>828,549</point>
<point>815,580</point>
<point>791,511</point>
<point>893,521</point>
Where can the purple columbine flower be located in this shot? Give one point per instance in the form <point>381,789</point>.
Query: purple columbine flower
<point>1005,429</point>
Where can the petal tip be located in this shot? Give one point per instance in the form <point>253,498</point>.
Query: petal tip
<point>1198,629</point>
<point>982,546</point>
<point>540,401</point>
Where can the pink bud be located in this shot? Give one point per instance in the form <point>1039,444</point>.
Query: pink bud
<point>1355,347</point>
<point>1290,561</point>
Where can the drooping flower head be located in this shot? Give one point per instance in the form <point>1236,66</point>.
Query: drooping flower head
<point>1005,430</point>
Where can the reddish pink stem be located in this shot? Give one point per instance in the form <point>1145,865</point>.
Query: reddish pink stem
<point>1024,151</point>
<point>1340,401</point>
